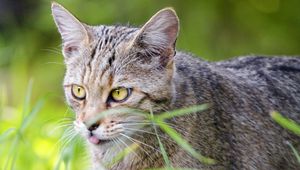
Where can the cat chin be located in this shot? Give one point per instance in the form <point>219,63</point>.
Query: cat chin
<point>102,154</point>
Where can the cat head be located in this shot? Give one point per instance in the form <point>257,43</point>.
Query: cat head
<point>116,67</point>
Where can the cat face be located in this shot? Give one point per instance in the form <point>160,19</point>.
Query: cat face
<point>116,67</point>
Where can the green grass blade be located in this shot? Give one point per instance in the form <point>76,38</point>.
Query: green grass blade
<point>12,153</point>
<point>295,152</point>
<point>122,154</point>
<point>184,144</point>
<point>28,119</point>
<point>3,98</point>
<point>162,149</point>
<point>183,111</point>
<point>161,146</point>
<point>286,123</point>
<point>26,104</point>
<point>6,134</point>
<point>67,154</point>
<point>58,163</point>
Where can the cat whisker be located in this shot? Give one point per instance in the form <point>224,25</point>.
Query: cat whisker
<point>52,50</point>
<point>151,133</point>
<point>144,131</point>
<point>126,146</point>
<point>70,123</point>
<point>64,122</point>
<point>65,119</point>
<point>52,62</point>
<point>66,114</point>
<point>60,126</point>
<point>65,145</point>
<point>70,138</point>
<point>172,125</point>
<point>165,108</point>
<point>117,144</point>
<point>136,123</point>
<point>143,124</point>
<point>138,135</point>
<point>128,137</point>
<point>148,122</point>
<point>136,142</point>
<point>68,135</point>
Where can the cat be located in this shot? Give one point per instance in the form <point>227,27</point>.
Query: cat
<point>110,67</point>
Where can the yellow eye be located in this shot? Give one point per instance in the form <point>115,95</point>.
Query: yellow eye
<point>120,94</point>
<point>78,92</point>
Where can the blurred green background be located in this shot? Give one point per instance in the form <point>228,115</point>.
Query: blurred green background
<point>30,56</point>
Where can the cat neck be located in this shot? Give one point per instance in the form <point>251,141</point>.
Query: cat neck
<point>190,84</point>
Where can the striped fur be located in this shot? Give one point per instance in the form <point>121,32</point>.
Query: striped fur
<point>236,131</point>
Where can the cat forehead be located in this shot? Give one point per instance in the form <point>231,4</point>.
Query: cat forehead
<point>106,53</point>
<point>106,42</point>
<point>112,35</point>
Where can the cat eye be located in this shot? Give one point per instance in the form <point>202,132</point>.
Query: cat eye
<point>120,94</point>
<point>78,92</point>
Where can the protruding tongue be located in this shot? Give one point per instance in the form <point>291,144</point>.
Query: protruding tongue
<point>94,140</point>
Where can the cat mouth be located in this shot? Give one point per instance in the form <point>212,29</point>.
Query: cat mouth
<point>96,141</point>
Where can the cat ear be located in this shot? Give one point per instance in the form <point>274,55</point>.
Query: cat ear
<point>73,32</point>
<point>159,33</point>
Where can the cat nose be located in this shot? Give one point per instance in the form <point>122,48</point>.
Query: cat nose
<point>94,126</point>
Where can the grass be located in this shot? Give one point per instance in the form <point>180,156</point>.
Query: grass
<point>286,123</point>
<point>122,154</point>
<point>27,136</point>
<point>161,146</point>
<point>17,133</point>
<point>66,155</point>
<point>295,152</point>
<point>289,125</point>
<point>16,138</point>
<point>158,121</point>
<point>31,49</point>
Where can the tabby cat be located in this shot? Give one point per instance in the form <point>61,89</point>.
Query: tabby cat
<point>127,67</point>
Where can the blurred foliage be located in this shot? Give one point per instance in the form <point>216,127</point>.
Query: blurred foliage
<point>30,49</point>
